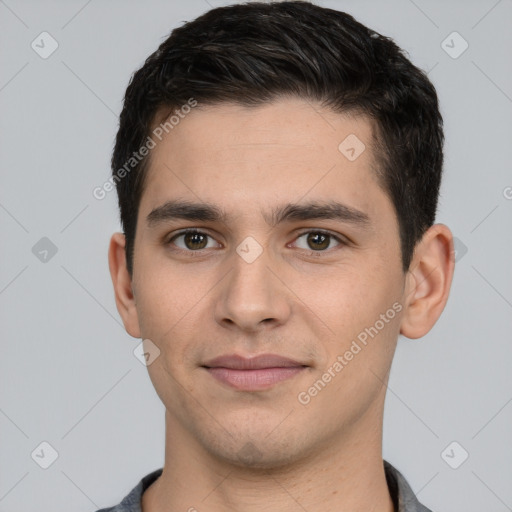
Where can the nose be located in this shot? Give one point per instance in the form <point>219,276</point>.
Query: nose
<point>253,296</point>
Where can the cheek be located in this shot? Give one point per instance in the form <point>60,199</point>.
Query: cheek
<point>376,331</point>
<point>356,303</point>
<point>165,290</point>
<point>174,306</point>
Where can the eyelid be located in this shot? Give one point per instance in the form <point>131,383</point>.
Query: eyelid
<point>186,231</point>
<point>341,240</point>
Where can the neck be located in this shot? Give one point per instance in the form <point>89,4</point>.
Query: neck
<point>341,475</point>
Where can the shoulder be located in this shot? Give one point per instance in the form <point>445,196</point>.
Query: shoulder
<point>403,496</point>
<point>132,501</point>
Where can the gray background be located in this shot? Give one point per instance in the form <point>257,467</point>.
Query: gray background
<point>67,372</point>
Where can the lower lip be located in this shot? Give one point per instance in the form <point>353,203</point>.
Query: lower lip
<point>254,380</point>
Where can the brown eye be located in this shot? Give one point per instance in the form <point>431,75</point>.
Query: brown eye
<point>317,241</point>
<point>195,241</point>
<point>192,241</point>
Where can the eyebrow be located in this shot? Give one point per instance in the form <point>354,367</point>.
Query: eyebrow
<point>207,212</point>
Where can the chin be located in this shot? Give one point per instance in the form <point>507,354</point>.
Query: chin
<point>259,453</point>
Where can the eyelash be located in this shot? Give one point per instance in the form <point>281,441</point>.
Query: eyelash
<point>340,241</point>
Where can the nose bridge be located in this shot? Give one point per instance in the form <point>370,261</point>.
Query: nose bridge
<point>251,293</point>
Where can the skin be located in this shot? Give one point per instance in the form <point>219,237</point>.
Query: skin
<point>295,300</point>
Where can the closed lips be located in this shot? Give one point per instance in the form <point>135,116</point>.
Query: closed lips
<point>237,362</point>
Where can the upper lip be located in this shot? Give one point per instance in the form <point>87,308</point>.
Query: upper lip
<point>237,362</point>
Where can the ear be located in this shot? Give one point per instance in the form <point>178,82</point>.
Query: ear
<point>125,299</point>
<point>428,281</point>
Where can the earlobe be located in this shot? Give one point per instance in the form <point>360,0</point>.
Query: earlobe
<point>121,279</point>
<point>428,281</point>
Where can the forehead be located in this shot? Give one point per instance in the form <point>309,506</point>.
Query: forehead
<point>244,158</point>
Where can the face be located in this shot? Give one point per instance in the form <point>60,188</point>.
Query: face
<point>319,282</point>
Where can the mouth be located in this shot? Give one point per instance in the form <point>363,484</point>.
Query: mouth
<point>253,374</point>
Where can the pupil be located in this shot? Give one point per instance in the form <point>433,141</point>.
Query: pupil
<point>195,241</point>
<point>320,240</point>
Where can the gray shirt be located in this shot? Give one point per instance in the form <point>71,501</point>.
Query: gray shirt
<point>401,493</point>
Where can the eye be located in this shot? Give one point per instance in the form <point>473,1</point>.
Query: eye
<point>193,240</point>
<point>318,241</point>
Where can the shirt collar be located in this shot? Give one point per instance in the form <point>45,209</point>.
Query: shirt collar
<point>402,495</point>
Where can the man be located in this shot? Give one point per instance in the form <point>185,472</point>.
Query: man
<point>278,167</point>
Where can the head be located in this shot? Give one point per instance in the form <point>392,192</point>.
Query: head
<point>264,122</point>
